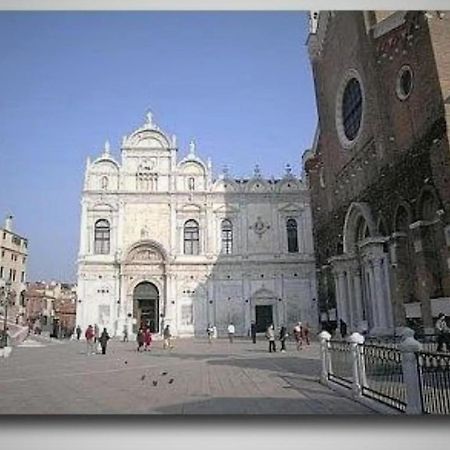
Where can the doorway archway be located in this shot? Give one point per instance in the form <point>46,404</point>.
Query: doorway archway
<point>146,306</point>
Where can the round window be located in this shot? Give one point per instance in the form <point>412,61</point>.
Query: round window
<point>404,84</point>
<point>352,109</point>
<point>349,108</point>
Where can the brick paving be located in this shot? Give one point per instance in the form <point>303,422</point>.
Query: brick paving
<point>218,378</point>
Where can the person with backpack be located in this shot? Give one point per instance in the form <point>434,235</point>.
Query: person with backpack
<point>270,336</point>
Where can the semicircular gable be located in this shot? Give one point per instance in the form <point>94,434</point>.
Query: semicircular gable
<point>146,251</point>
<point>222,185</point>
<point>148,138</point>
<point>258,186</point>
<point>192,168</point>
<point>289,185</point>
<point>104,164</point>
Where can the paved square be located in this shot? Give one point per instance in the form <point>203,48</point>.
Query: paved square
<point>194,378</point>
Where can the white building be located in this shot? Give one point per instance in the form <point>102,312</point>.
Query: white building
<point>163,243</point>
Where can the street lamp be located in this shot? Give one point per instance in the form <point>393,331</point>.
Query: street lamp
<point>5,302</point>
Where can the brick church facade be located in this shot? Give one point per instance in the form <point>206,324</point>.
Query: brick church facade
<point>379,167</point>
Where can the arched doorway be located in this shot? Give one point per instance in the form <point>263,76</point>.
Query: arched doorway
<point>146,306</point>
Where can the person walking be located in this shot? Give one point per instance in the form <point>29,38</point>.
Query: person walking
<point>125,334</point>
<point>89,335</point>
<point>167,335</point>
<point>147,339</point>
<point>210,333</point>
<point>443,333</point>
<point>96,333</point>
<point>270,335</point>
<point>104,338</point>
<point>305,333</point>
<point>298,335</point>
<point>140,339</point>
<point>78,331</point>
<point>283,337</point>
<point>231,331</point>
<point>253,331</point>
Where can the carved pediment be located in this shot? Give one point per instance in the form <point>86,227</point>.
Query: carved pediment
<point>226,209</point>
<point>144,255</point>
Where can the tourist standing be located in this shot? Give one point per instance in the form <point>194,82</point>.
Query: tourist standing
<point>147,339</point>
<point>283,336</point>
<point>89,335</point>
<point>270,335</point>
<point>443,333</point>
<point>96,333</point>
<point>125,333</point>
<point>167,335</point>
<point>253,331</point>
<point>78,332</point>
<point>210,333</point>
<point>104,338</point>
<point>298,335</point>
<point>231,331</point>
<point>140,339</point>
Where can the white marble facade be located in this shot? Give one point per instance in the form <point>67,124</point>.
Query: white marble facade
<point>162,242</point>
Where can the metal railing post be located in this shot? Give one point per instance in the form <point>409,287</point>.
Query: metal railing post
<point>357,339</point>
<point>408,347</point>
<point>325,337</point>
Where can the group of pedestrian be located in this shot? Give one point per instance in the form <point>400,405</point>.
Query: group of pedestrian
<point>144,339</point>
<point>300,332</point>
<point>94,339</point>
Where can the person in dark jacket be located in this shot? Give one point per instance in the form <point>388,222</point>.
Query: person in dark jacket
<point>140,339</point>
<point>253,331</point>
<point>78,332</point>
<point>283,337</point>
<point>104,338</point>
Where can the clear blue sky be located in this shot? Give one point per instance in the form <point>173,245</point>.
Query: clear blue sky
<point>239,83</point>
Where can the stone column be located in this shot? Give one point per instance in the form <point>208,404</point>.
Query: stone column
<point>351,301</point>
<point>372,300</point>
<point>343,298</point>
<point>387,289</point>
<point>338,298</point>
<point>379,294</point>
<point>357,295</point>
<point>83,229</point>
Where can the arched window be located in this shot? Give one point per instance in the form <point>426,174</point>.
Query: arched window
<point>104,182</point>
<point>101,237</point>
<point>291,227</point>
<point>191,238</point>
<point>227,237</point>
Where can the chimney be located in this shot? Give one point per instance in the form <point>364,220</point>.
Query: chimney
<point>8,223</point>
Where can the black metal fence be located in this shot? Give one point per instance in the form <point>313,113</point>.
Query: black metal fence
<point>434,379</point>
<point>429,341</point>
<point>341,370</point>
<point>382,375</point>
